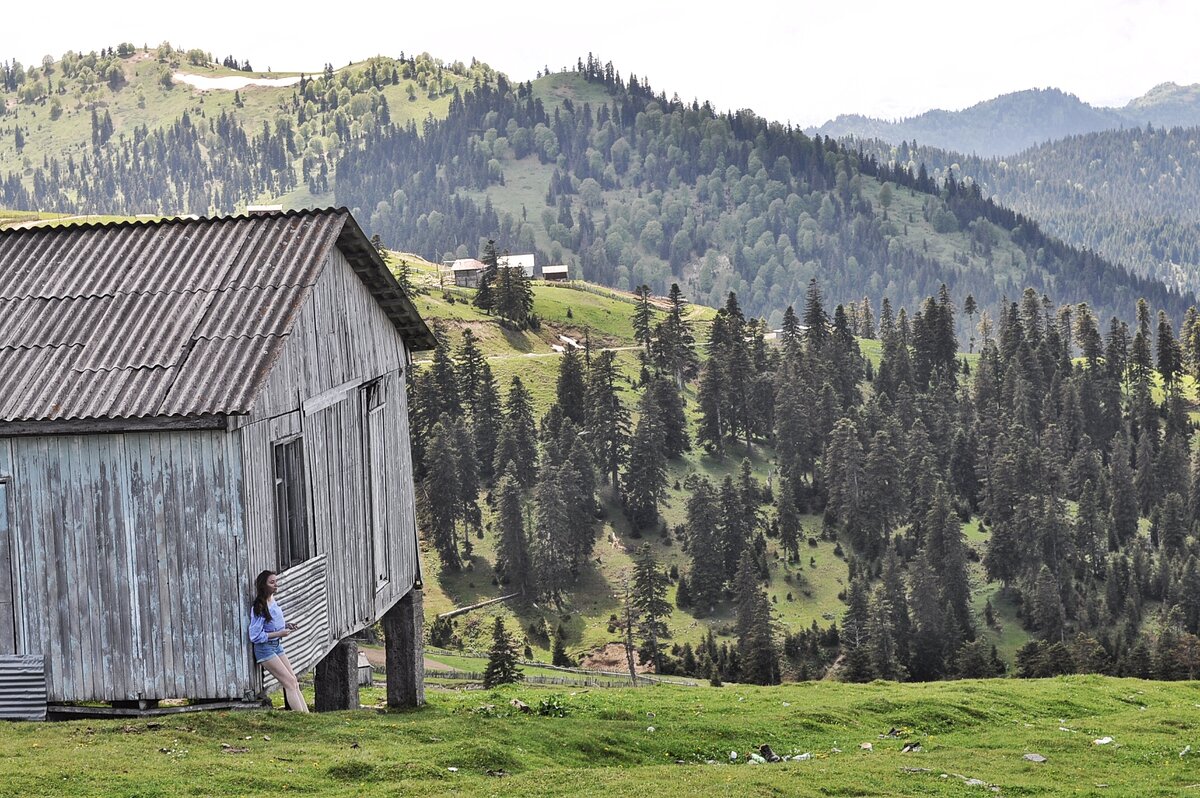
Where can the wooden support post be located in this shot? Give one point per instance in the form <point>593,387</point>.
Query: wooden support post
<point>404,641</point>
<point>336,678</point>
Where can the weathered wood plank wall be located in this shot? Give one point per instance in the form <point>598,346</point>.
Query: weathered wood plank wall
<point>127,553</point>
<point>358,463</point>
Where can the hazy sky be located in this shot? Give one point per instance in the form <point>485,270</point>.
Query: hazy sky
<point>797,61</point>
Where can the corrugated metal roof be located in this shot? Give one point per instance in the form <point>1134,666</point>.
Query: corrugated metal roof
<point>178,317</point>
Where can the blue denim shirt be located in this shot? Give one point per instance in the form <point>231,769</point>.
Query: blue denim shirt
<point>260,626</point>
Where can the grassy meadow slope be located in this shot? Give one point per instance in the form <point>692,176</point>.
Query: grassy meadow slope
<point>664,741</point>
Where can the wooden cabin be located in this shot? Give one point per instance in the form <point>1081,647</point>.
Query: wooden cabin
<point>183,404</point>
<point>466,272</point>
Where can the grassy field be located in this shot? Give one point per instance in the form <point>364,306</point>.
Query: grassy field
<point>664,741</point>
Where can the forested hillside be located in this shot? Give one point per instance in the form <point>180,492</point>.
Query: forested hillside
<point>638,189</point>
<point>1003,125</point>
<point>755,510</point>
<point>118,131</point>
<point>1127,194</point>
<point>583,167</point>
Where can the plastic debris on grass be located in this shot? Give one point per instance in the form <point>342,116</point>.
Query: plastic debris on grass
<point>1102,741</point>
<point>1034,758</point>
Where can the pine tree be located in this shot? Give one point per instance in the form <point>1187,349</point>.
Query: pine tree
<point>672,418</point>
<point>815,318</point>
<point>707,575</point>
<point>646,473</point>
<point>788,519</point>
<point>558,651</point>
<point>866,320</point>
<point>468,481</point>
<point>643,317</point>
<point>928,639</point>
<point>711,434</point>
<point>440,495</point>
<point>485,424</point>
<point>607,419</point>
<point>517,441</point>
<point>512,544</point>
<point>947,551</point>
<point>570,387</point>
<point>757,648</point>
<point>650,600</point>
<point>470,367</point>
<point>485,298</point>
<point>1048,612</point>
<point>881,639</point>
<point>502,659</point>
<point>674,345</point>
<point>578,478</point>
<point>1124,503</point>
<point>551,546</point>
<point>444,397</point>
<point>790,333</point>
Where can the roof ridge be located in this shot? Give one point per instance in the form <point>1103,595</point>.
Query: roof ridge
<point>174,220</point>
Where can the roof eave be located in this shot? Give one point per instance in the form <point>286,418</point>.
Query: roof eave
<point>372,269</point>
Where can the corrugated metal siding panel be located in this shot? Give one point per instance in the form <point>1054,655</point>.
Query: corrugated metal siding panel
<point>22,687</point>
<point>144,295</point>
<point>304,598</point>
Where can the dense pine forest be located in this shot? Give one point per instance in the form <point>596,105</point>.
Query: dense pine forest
<point>1062,438</point>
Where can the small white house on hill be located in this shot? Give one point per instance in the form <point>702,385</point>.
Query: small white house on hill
<point>525,263</point>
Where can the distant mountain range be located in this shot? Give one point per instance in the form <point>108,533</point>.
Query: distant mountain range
<point>1013,122</point>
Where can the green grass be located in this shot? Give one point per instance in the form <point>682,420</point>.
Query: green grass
<point>648,741</point>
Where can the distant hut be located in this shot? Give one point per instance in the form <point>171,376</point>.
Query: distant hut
<point>183,404</point>
<point>466,272</point>
<point>555,273</point>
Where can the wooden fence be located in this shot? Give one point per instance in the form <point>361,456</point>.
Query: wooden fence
<point>559,681</point>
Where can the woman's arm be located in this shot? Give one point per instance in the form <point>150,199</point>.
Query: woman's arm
<point>257,635</point>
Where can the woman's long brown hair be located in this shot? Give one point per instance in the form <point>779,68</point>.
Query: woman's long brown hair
<point>261,596</point>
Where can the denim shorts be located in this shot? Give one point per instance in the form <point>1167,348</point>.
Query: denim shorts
<point>268,650</point>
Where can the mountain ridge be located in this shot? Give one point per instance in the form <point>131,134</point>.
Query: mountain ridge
<point>1014,121</point>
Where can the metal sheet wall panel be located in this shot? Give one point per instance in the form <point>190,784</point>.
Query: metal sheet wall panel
<point>22,687</point>
<point>304,598</point>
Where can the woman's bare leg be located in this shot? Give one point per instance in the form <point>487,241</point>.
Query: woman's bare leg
<point>281,669</point>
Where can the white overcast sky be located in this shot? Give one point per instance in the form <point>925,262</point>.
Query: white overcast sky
<point>800,61</point>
